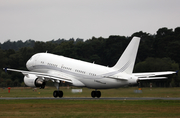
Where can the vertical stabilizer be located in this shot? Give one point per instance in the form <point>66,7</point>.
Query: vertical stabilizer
<point>127,60</point>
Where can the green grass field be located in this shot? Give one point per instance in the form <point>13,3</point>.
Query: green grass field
<point>120,92</point>
<point>90,108</point>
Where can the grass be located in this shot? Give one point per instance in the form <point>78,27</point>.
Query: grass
<point>90,108</point>
<point>120,92</point>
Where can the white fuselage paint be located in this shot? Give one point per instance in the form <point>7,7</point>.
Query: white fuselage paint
<point>90,74</point>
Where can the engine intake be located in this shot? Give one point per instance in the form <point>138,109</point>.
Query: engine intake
<point>33,81</point>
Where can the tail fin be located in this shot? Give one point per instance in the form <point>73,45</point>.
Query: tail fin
<point>127,60</point>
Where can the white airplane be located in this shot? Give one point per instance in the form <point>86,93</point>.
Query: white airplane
<point>45,66</point>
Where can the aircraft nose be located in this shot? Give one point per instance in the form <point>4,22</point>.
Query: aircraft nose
<point>28,64</point>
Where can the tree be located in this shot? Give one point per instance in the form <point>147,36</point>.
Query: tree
<point>156,52</point>
<point>157,65</point>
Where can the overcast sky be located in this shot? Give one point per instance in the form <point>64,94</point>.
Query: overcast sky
<point>44,20</point>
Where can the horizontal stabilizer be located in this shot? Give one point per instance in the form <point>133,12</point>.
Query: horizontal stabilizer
<point>151,74</point>
<point>150,78</point>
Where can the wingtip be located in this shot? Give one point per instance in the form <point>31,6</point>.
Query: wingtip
<point>5,69</point>
<point>177,72</point>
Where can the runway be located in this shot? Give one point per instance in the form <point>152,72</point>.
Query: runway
<point>87,98</point>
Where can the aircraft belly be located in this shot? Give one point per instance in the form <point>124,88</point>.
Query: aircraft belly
<point>103,83</point>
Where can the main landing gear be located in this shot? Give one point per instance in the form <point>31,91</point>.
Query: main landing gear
<point>57,93</point>
<point>96,94</point>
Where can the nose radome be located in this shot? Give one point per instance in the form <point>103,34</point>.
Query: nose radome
<point>28,64</point>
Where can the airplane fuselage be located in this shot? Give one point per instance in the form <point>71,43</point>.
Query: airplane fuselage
<point>88,74</point>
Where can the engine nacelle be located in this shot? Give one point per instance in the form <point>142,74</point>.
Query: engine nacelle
<point>33,81</point>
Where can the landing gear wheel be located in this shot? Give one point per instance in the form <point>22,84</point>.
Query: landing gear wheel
<point>55,94</point>
<point>96,94</point>
<point>93,94</point>
<point>60,93</point>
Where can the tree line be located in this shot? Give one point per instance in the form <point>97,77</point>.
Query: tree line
<point>157,52</point>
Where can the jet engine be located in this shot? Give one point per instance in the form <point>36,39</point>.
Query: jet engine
<point>32,80</point>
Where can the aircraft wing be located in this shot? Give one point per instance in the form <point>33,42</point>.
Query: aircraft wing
<point>153,75</point>
<point>61,77</point>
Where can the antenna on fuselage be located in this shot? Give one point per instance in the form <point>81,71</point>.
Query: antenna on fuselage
<point>46,51</point>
